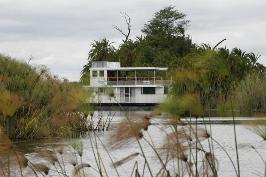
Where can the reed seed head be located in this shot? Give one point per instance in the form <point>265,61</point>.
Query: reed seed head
<point>181,139</point>
<point>22,160</point>
<point>49,155</point>
<point>125,159</point>
<point>190,163</point>
<point>175,147</point>
<point>80,167</point>
<point>74,164</point>
<point>129,129</point>
<point>183,157</point>
<point>60,149</point>
<point>80,153</point>
<point>42,168</point>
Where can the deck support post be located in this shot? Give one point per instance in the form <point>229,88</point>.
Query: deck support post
<point>154,75</point>
<point>135,77</point>
<point>116,77</point>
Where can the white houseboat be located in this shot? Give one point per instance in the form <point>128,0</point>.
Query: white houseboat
<point>112,84</point>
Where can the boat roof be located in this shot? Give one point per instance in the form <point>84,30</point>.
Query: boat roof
<point>115,66</point>
<point>132,69</point>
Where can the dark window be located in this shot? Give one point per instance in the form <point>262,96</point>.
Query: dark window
<point>101,73</point>
<point>127,90</point>
<point>148,90</point>
<point>101,90</point>
<point>94,73</point>
<point>165,90</point>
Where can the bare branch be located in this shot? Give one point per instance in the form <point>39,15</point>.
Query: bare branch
<point>30,58</point>
<point>218,44</point>
<point>128,23</point>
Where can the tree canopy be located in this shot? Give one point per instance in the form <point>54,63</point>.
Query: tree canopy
<point>202,70</point>
<point>162,43</point>
<point>166,23</point>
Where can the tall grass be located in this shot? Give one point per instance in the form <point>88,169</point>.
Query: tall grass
<point>251,94</point>
<point>34,103</point>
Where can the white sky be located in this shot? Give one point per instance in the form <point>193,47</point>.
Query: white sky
<point>58,33</point>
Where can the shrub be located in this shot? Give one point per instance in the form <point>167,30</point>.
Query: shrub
<point>34,103</point>
<point>251,94</point>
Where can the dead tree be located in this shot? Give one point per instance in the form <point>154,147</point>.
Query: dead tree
<point>128,23</point>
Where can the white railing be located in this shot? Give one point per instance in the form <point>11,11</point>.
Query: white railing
<point>156,98</point>
<point>137,81</point>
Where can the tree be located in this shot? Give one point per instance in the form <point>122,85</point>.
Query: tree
<point>85,74</point>
<point>128,22</point>
<point>165,36</point>
<point>101,50</point>
<point>128,53</point>
<point>167,22</point>
<point>164,40</point>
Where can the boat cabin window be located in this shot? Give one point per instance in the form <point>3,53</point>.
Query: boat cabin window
<point>100,90</point>
<point>148,90</point>
<point>94,73</point>
<point>165,90</point>
<point>101,73</point>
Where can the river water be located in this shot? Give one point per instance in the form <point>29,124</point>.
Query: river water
<point>250,163</point>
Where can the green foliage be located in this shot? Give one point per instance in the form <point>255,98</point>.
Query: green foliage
<point>212,76</point>
<point>36,102</point>
<point>85,74</point>
<point>204,74</point>
<point>129,53</point>
<point>227,108</point>
<point>260,130</point>
<point>164,43</point>
<point>101,50</point>
<point>164,38</point>
<point>9,103</point>
<point>183,104</point>
<point>251,94</point>
<point>166,23</point>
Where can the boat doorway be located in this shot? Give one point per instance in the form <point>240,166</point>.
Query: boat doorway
<point>125,95</point>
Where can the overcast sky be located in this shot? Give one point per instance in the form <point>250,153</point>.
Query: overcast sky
<point>58,33</point>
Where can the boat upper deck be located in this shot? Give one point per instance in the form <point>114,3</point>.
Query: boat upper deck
<point>103,73</point>
<point>115,66</point>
